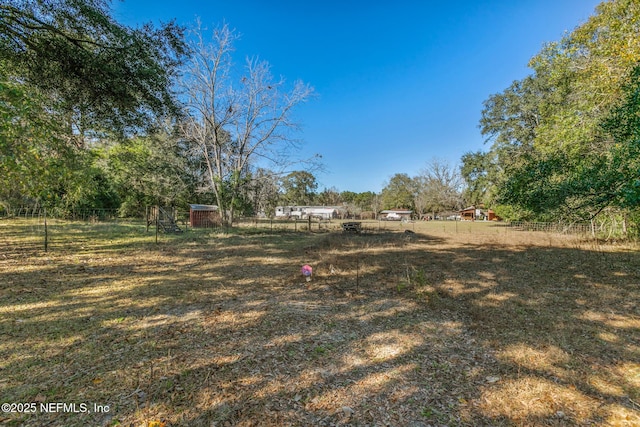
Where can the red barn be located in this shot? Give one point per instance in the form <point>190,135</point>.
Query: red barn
<point>204,216</point>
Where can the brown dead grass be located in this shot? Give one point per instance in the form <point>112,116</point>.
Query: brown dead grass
<point>481,327</point>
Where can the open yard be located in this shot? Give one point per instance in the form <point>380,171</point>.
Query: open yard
<point>473,326</point>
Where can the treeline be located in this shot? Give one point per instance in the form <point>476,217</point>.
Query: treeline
<point>90,115</point>
<point>565,140</point>
<point>74,84</point>
<point>437,188</point>
<point>90,118</point>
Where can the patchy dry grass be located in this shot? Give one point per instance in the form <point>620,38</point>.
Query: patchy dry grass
<point>480,327</point>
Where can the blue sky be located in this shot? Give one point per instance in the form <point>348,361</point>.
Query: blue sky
<point>397,83</point>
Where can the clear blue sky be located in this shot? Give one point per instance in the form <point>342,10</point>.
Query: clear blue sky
<point>398,83</point>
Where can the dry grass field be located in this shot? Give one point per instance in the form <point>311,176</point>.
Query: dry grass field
<point>468,327</point>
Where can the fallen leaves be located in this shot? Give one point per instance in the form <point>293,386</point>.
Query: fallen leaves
<point>193,335</point>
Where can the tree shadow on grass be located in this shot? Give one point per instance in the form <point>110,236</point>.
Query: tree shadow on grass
<point>394,329</point>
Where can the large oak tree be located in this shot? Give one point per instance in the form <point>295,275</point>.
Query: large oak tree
<point>69,73</point>
<point>559,148</point>
<point>103,74</point>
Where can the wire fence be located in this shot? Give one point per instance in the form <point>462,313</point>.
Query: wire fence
<point>602,229</point>
<point>605,229</point>
<point>89,215</point>
<point>33,228</point>
<point>595,228</point>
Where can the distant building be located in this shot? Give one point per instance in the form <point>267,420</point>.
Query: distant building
<point>491,216</point>
<point>469,214</point>
<point>473,213</point>
<point>395,214</point>
<point>204,216</point>
<point>304,212</point>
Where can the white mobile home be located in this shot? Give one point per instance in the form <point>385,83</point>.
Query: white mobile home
<point>304,212</point>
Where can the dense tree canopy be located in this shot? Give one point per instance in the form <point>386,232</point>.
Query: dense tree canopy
<point>101,73</point>
<point>69,76</point>
<point>563,143</point>
<point>399,192</point>
<point>30,145</point>
<point>299,188</point>
<point>150,169</point>
<point>478,173</point>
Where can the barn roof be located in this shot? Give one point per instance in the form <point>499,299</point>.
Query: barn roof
<point>203,207</point>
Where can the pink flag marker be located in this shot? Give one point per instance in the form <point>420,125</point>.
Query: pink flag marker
<point>307,271</point>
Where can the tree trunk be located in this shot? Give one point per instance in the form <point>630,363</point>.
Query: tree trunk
<point>231,212</point>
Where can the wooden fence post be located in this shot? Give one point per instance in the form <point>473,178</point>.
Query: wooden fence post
<point>157,222</point>
<point>46,232</point>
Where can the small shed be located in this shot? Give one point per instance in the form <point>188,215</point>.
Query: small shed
<point>204,216</point>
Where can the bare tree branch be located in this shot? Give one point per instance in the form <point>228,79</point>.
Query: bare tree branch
<point>235,123</point>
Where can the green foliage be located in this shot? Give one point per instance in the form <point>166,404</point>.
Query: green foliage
<point>329,197</point>
<point>565,139</point>
<point>510,118</point>
<point>149,170</point>
<point>398,193</point>
<point>480,176</point>
<point>35,159</point>
<point>70,75</point>
<point>633,218</point>
<point>356,203</point>
<point>366,201</point>
<point>580,183</point>
<point>95,191</point>
<point>105,74</point>
<point>299,188</point>
<point>512,213</point>
<point>623,160</point>
<point>348,196</point>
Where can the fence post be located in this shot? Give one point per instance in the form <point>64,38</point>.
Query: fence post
<point>157,223</point>
<point>46,232</point>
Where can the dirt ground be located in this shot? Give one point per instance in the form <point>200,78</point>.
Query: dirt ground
<point>428,328</point>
